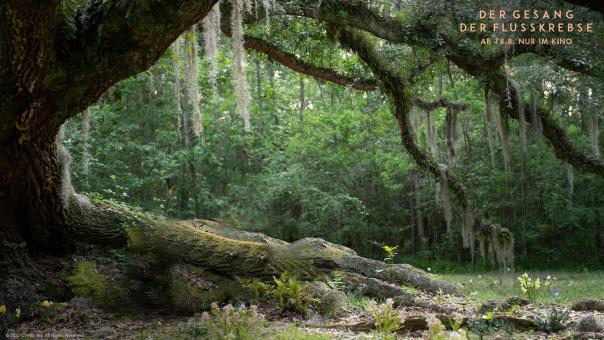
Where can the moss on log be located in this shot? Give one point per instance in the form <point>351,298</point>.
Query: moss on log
<point>195,263</point>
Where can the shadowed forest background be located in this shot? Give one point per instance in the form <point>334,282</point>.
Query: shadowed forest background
<point>324,160</point>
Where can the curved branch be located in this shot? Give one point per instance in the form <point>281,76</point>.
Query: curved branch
<point>112,41</point>
<point>501,239</point>
<point>564,148</point>
<point>298,65</point>
<point>358,15</point>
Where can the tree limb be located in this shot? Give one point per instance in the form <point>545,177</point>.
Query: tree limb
<point>398,90</point>
<point>109,41</point>
<point>442,102</point>
<point>298,65</point>
<point>564,148</point>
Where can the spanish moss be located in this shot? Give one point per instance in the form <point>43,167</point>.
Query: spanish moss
<point>239,80</point>
<point>192,78</point>
<point>211,34</point>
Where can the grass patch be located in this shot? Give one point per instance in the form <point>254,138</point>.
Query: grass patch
<point>294,333</point>
<point>572,286</point>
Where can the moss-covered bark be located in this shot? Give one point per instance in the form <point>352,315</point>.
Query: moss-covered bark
<point>131,260</point>
<point>235,253</point>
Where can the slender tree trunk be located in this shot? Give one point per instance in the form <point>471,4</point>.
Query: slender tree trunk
<point>271,79</point>
<point>86,147</point>
<point>259,95</point>
<point>419,218</point>
<point>594,129</point>
<point>302,102</point>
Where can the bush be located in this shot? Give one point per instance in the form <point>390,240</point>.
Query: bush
<point>240,323</point>
<point>533,289</point>
<point>387,320</point>
<point>86,282</point>
<point>553,320</point>
<point>288,291</point>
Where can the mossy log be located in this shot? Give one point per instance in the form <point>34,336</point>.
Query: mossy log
<point>201,259</point>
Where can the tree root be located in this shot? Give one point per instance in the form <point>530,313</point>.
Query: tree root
<point>218,255</point>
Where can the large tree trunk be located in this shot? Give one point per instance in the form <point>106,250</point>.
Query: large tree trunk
<point>32,195</point>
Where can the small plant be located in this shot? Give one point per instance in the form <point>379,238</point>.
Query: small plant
<point>240,323</point>
<point>86,282</point>
<point>357,301</point>
<point>390,253</point>
<point>534,289</point>
<point>50,313</point>
<point>553,320</point>
<point>437,331</point>
<point>288,291</point>
<point>387,320</point>
<point>337,282</point>
<point>261,290</point>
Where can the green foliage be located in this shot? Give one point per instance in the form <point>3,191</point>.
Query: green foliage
<point>288,291</point>
<point>387,319</point>
<point>285,289</point>
<point>228,322</point>
<point>358,301</point>
<point>566,286</point>
<point>534,289</point>
<point>337,281</point>
<point>337,170</point>
<point>553,320</point>
<point>488,324</point>
<point>261,290</point>
<point>390,253</point>
<point>85,281</point>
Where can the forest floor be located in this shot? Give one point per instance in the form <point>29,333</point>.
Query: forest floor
<point>77,318</point>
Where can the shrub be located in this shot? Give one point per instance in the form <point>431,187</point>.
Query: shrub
<point>534,289</point>
<point>390,253</point>
<point>261,290</point>
<point>288,291</point>
<point>86,282</point>
<point>553,320</point>
<point>240,323</point>
<point>387,320</point>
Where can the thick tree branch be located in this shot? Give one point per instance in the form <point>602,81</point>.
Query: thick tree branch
<point>109,41</point>
<point>296,64</point>
<point>553,132</point>
<point>594,5</point>
<point>398,90</point>
<point>359,15</point>
<point>442,102</point>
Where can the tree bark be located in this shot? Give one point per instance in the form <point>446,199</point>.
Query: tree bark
<point>32,195</point>
<point>50,71</point>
